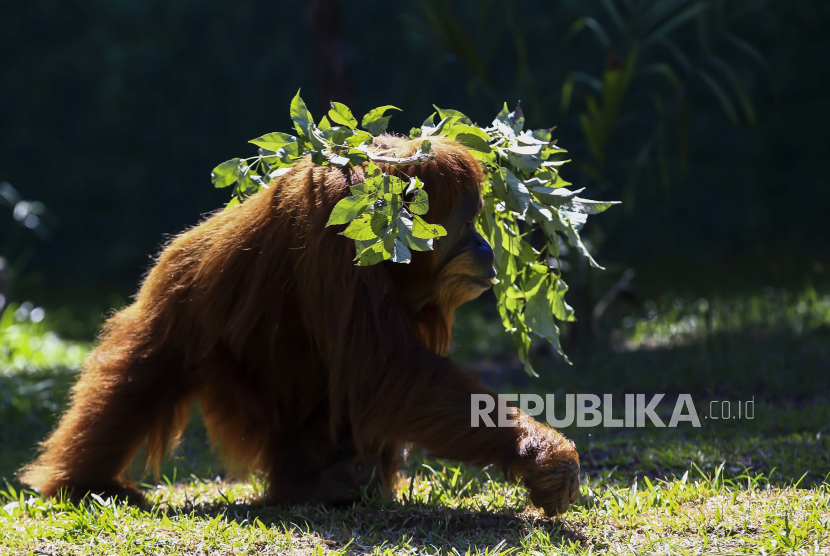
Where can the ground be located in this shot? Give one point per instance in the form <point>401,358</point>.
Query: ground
<point>737,485</point>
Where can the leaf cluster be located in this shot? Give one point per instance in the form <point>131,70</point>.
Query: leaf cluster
<point>525,198</point>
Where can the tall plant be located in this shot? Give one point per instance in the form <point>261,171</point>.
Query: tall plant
<point>655,51</point>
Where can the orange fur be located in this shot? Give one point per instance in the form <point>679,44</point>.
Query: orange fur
<point>260,313</point>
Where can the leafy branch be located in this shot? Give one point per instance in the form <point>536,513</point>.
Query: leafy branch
<point>525,197</point>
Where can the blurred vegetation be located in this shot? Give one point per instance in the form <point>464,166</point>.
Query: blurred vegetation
<point>21,227</point>
<point>707,118</point>
<point>758,332</point>
<point>656,52</point>
<point>110,107</point>
<point>768,344</point>
<point>109,115</point>
<point>28,343</point>
<point>720,486</point>
<point>36,370</point>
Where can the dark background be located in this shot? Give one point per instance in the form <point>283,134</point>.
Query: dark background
<point>113,113</point>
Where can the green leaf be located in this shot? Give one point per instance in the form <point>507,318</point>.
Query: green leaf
<point>372,180</point>
<point>415,184</point>
<point>457,128</point>
<point>279,172</point>
<point>381,224</point>
<point>370,225</point>
<point>530,255</point>
<point>446,123</point>
<point>526,149</point>
<point>502,115</point>
<point>448,113</point>
<point>574,240</point>
<point>536,212</point>
<point>515,119</point>
<point>404,225</point>
<point>340,114</point>
<point>555,197</point>
<point>535,280</point>
<point>381,204</point>
<point>539,318</point>
<point>400,252</point>
<point>618,20</point>
<point>393,204</point>
<point>420,203</point>
<point>510,240</point>
<point>393,184</point>
<point>522,342</point>
<point>389,248</point>
<point>519,196</point>
<point>429,123</point>
<point>300,114</point>
<point>522,190</point>
<point>488,159</point>
<point>359,137</point>
<point>248,183</point>
<point>336,135</point>
<point>225,174</point>
<point>424,230</point>
<point>339,160</point>
<point>526,163</point>
<point>284,156</point>
<point>363,189</point>
<point>372,255</point>
<point>317,138</point>
<point>556,297</point>
<point>577,219</point>
<point>348,209</point>
<point>357,157</point>
<point>375,122</point>
<point>536,137</point>
<point>369,186</point>
<point>586,206</point>
<point>497,183</point>
<point>274,141</point>
<point>486,226</point>
<point>559,182</point>
<point>474,142</point>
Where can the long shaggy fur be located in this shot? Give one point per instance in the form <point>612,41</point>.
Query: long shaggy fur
<point>260,313</point>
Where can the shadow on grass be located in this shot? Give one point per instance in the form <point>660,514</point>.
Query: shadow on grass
<point>782,376</point>
<point>375,524</point>
<point>783,459</point>
<point>787,376</point>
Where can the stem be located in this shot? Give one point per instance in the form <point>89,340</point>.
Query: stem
<point>389,160</point>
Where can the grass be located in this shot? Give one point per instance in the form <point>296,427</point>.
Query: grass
<point>754,486</point>
<point>28,344</point>
<point>440,509</point>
